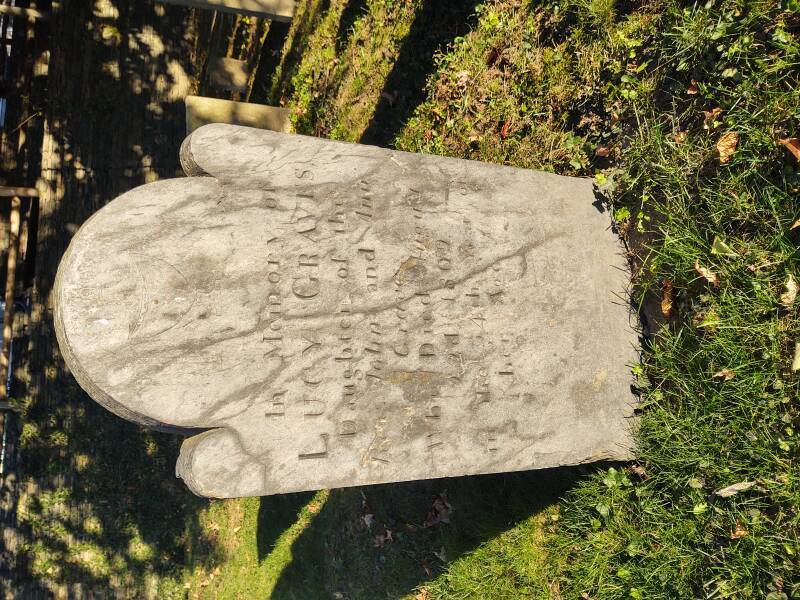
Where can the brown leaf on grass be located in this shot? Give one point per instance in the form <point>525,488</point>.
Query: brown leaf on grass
<point>726,146</point>
<point>706,273</point>
<point>680,136</point>
<point>788,297</point>
<point>725,374</point>
<point>439,512</point>
<point>710,117</point>
<point>734,489</point>
<point>504,130</point>
<point>692,89</point>
<point>666,299</point>
<point>792,145</point>
<point>639,471</point>
<point>602,151</point>
<point>422,594</point>
<point>424,564</point>
<point>739,532</point>
<point>383,538</point>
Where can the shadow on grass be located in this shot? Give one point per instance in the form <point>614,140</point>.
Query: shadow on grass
<point>275,515</point>
<point>339,554</point>
<point>352,11</point>
<point>297,40</point>
<point>102,511</point>
<point>277,37</point>
<point>435,26</point>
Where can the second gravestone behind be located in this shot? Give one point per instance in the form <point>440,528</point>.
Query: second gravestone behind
<point>340,315</point>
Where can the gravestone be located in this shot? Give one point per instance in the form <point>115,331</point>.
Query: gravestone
<point>229,74</point>
<point>335,315</point>
<point>203,111</point>
<point>276,10</point>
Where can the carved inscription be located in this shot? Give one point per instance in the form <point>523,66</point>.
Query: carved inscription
<point>431,336</point>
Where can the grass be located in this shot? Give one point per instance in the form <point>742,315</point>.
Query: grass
<point>639,95</point>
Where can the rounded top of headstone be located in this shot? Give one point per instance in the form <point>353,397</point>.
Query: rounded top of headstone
<point>117,288</point>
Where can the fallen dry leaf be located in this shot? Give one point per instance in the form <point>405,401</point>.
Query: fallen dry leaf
<point>424,564</point>
<point>721,248</point>
<point>792,145</point>
<point>692,89</point>
<point>734,489</point>
<point>787,298</point>
<point>725,374</point>
<point>439,512</point>
<point>739,532</point>
<point>383,538</point>
<point>796,361</point>
<point>726,146</point>
<point>237,529</point>
<point>639,471</point>
<point>666,299</point>
<point>422,594</point>
<point>706,273</point>
<point>602,151</point>
<point>680,136</point>
<point>504,130</point>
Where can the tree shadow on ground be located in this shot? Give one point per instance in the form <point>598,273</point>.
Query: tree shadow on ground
<point>436,24</point>
<point>344,551</point>
<point>302,29</point>
<point>277,36</point>
<point>352,11</point>
<point>101,508</point>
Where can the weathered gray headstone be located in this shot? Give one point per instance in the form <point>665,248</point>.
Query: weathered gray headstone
<point>229,74</point>
<point>338,315</point>
<point>203,111</point>
<point>276,10</point>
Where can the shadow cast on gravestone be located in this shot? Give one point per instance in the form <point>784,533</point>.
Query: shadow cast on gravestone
<point>103,509</point>
<point>342,552</point>
<point>436,25</point>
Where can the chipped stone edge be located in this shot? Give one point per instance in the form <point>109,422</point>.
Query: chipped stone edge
<point>188,163</point>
